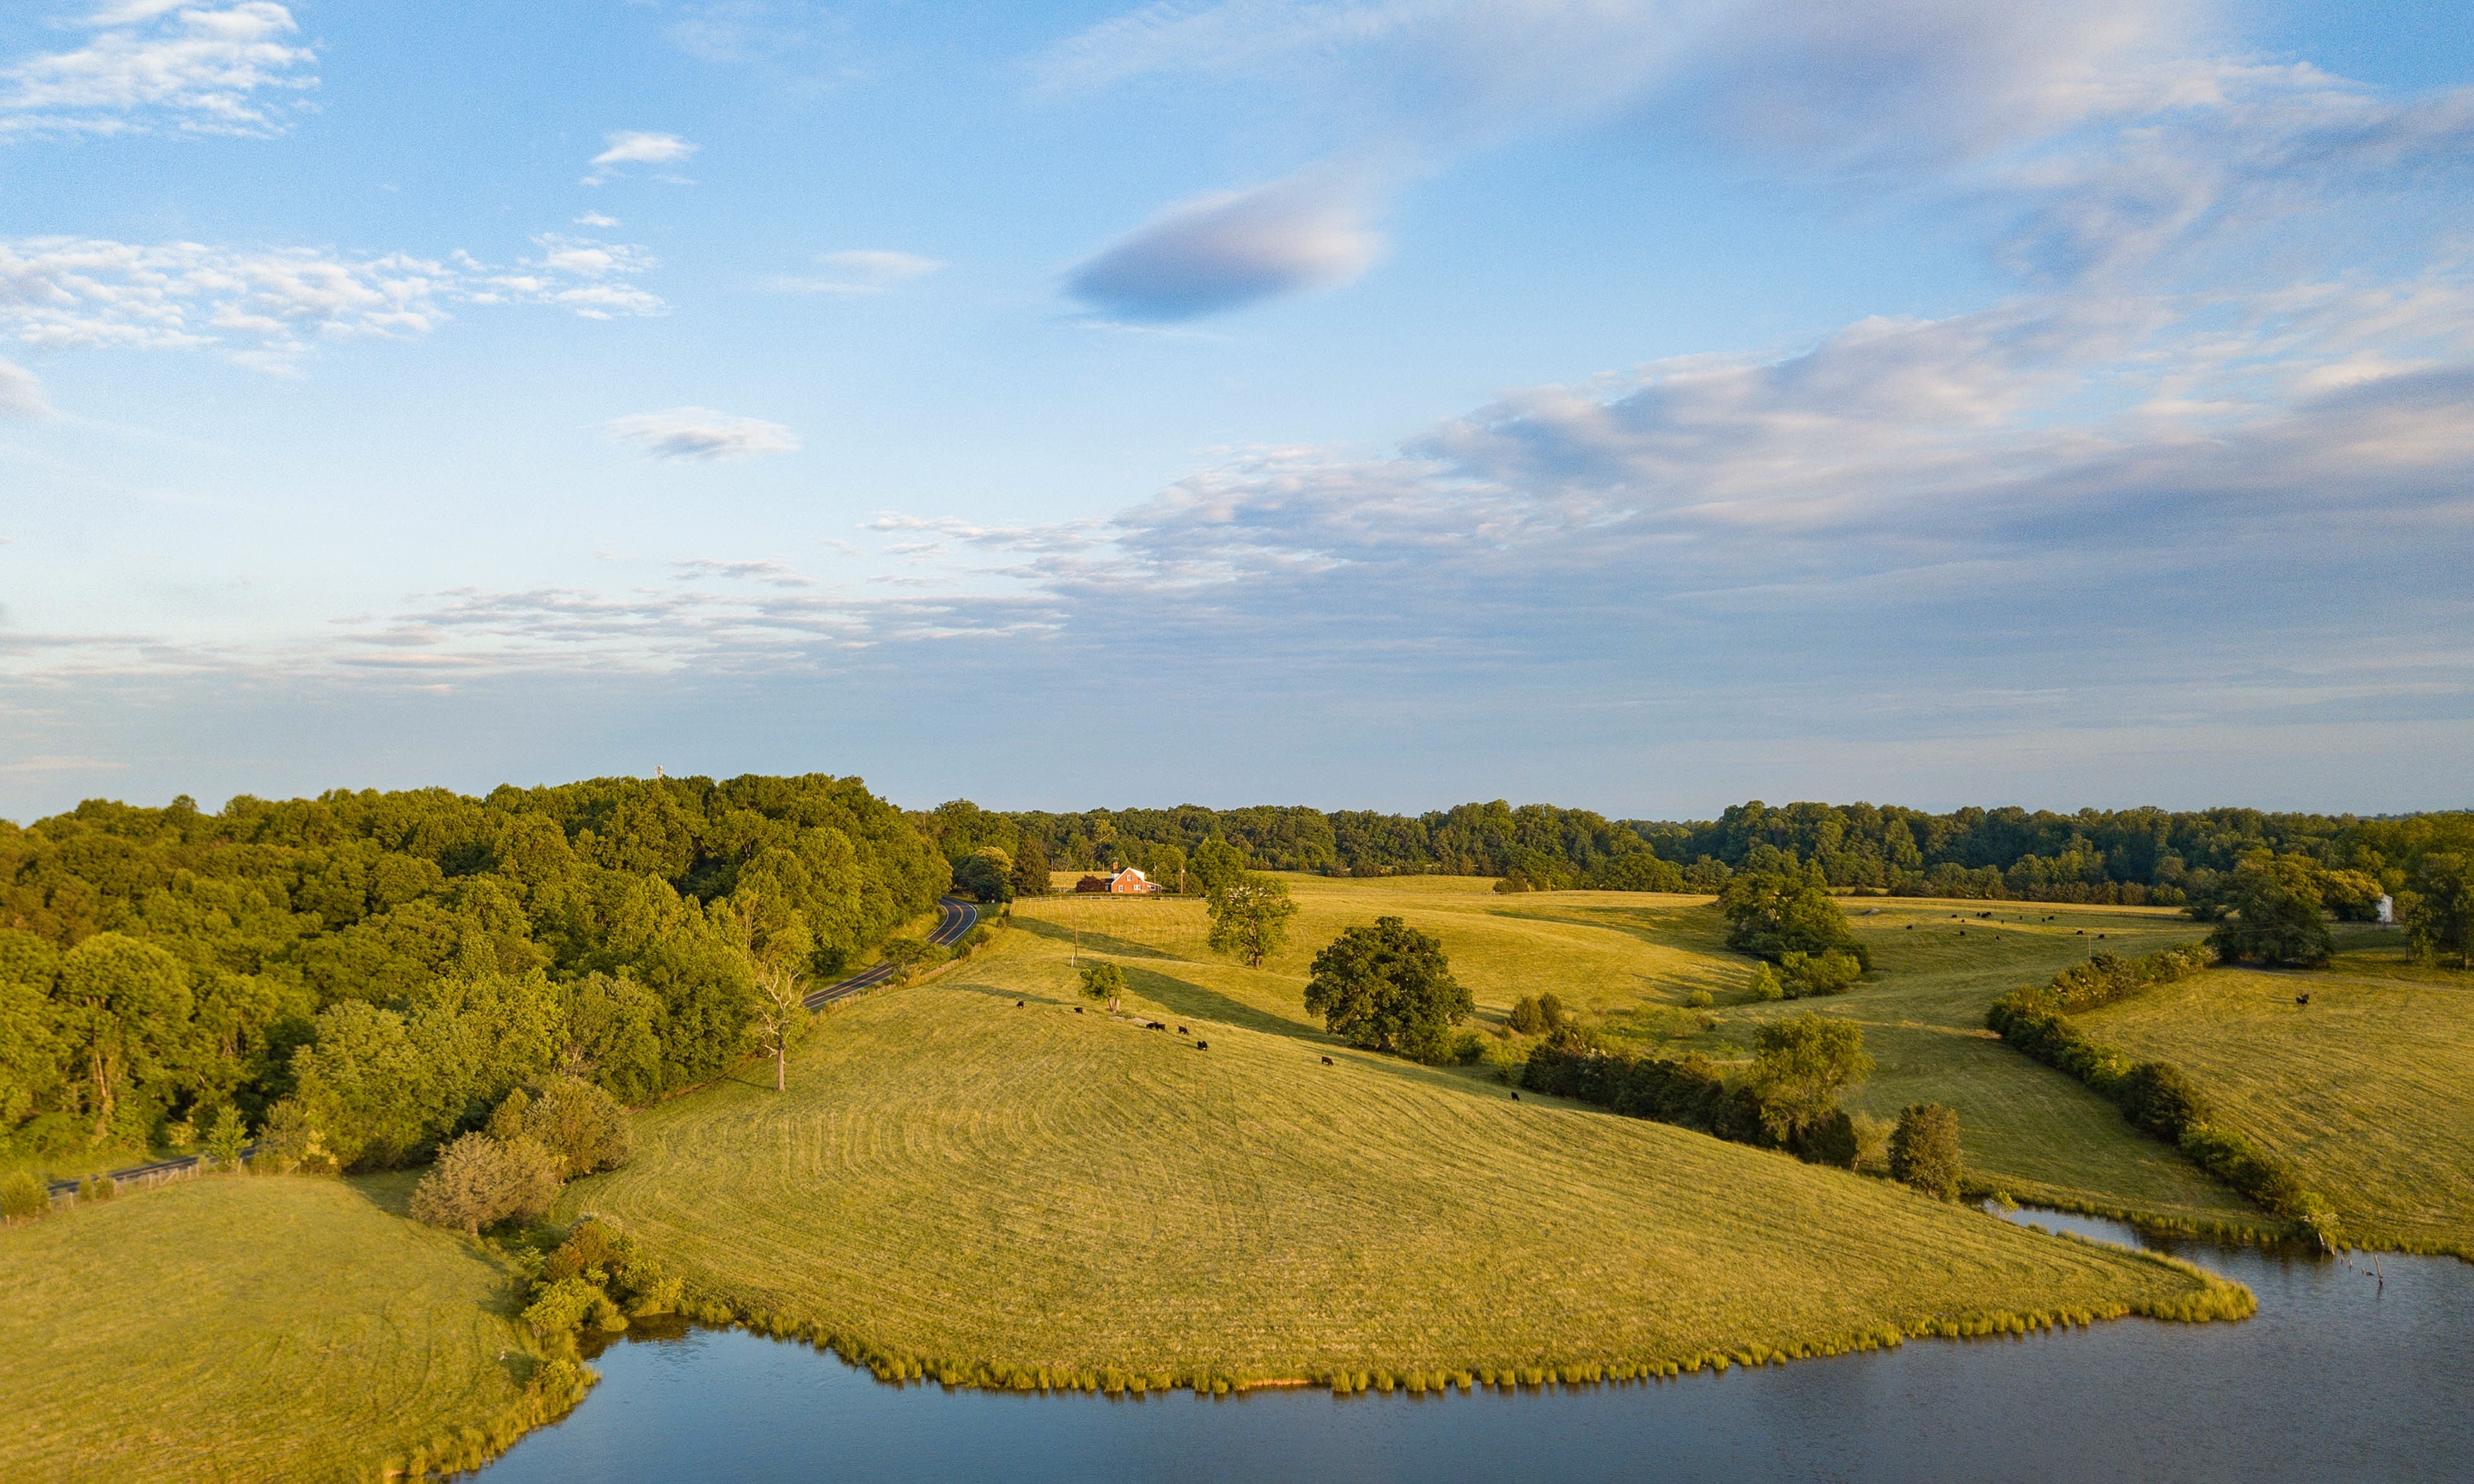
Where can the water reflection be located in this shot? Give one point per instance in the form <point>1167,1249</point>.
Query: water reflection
<point>2341,1375</point>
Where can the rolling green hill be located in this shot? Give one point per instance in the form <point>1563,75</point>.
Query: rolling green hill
<point>245,1328</point>
<point>956,1177</point>
<point>2367,1090</point>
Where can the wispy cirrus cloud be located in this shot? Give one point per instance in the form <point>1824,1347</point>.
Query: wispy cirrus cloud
<point>860,271</point>
<point>702,435</point>
<point>149,64</point>
<point>271,306</point>
<point>21,396</point>
<point>632,147</point>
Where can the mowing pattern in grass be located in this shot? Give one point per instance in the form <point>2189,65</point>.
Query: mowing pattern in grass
<point>244,1329</point>
<point>1623,960</point>
<point>954,1177</point>
<point>2368,1089</point>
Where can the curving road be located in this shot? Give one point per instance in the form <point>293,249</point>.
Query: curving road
<point>959,916</point>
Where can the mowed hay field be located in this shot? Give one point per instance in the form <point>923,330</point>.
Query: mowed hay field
<point>955,1178</point>
<point>2368,1089</point>
<point>247,1328</point>
<point>1625,962</point>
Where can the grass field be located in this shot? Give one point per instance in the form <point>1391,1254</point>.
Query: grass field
<point>955,1176</point>
<point>245,1328</point>
<point>1625,962</point>
<point>2368,1089</point>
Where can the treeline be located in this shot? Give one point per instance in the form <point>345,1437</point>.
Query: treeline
<point>2129,857</point>
<point>374,972</point>
<point>2157,1097</point>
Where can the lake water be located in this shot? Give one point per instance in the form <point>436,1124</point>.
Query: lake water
<point>2340,1377</point>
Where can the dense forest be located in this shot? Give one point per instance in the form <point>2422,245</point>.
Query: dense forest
<point>384,968</point>
<point>2126,855</point>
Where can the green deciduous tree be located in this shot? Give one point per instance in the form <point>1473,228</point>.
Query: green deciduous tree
<point>1772,914</point>
<point>1800,1065</point>
<point>2440,909</point>
<point>1216,865</point>
<point>226,1137</point>
<point>479,1181</point>
<point>1103,981</point>
<point>2276,904</point>
<point>123,1009</point>
<point>582,1127</point>
<point>1924,1149</point>
<point>1249,915</point>
<point>985,874</point>
<point>1389,987</point>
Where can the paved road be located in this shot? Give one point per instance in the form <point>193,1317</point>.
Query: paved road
<point>959,918</point>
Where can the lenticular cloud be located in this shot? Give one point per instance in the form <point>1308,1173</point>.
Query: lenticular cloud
<point>1223,250</point>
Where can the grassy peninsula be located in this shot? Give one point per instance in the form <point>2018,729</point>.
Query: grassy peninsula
<point>953,1178</point>
<point>247,1328</point>
<point>2368,1090</point>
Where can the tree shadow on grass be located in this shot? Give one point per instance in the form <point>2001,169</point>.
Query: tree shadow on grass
<point>1185,997</point>
<point>1096,941</point>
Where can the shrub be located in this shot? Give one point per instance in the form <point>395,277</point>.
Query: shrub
<point>2157,1097</point>
<point>1829,1139</point>
<point>570,1304</point>
<point>23,1198</point>
<point>1526,1016</point>
<point>478,1181</point>
<point>226,1137</point>
<point>1699,999</point>
<point>1764,983</point>
<point>97,1188</point>
<point>1924,1149</point>
<point>1830,972</point>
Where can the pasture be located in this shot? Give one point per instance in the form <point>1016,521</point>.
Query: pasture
<point>2368,1089</point>
<point>1626,962</point>
<point>953,1174</point>
<point>245,1328</point>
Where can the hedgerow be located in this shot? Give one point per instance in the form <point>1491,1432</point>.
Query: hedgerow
<point>2156,1097</point>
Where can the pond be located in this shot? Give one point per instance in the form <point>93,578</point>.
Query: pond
<point>2346,1373</point>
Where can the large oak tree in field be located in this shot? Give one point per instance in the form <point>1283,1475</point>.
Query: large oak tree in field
<point>1389,987</point>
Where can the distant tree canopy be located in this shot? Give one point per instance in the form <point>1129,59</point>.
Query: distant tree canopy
<point>388,965</point>
<point>2124,856</point>
<point>1389,987</point>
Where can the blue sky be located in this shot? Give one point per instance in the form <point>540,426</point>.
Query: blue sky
<point>1633,405</point>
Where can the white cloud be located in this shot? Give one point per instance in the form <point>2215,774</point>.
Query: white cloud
<point>269,305</point>
<point>21,396</point>
<point>860,271</point>
<point>597,219</point>
<point>2090,134</point>
<point>632,147</point>
<point>1222,251</point>
<point>202,70</point>
<point>702,434</point>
